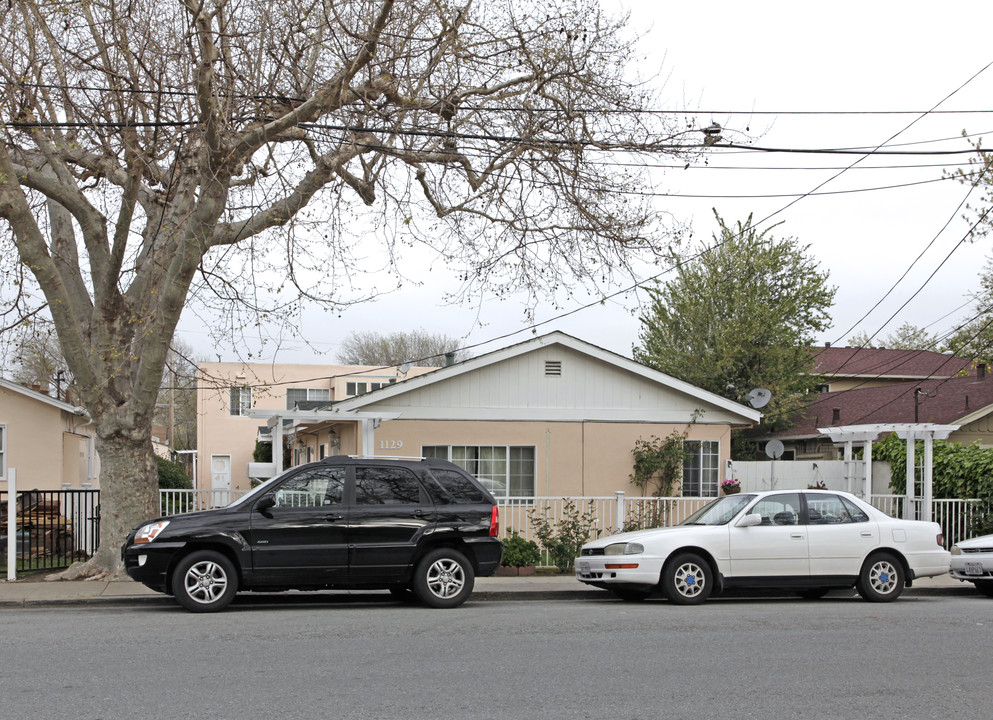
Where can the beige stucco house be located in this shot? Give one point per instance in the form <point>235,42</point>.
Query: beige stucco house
<point>552,416</point>
<point>48,442</point>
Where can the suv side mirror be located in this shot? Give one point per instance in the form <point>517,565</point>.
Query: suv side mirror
<point>750,520</point>
<point>265,503</point>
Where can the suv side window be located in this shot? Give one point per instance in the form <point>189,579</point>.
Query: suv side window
<point>386,486</point>
<point>459,489</point>
<point>312,488</point>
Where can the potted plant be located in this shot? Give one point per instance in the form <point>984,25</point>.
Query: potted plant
<point>519,556</point>
<point>730,486</point>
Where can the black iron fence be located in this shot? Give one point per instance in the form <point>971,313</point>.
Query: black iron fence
<point>55,528</point>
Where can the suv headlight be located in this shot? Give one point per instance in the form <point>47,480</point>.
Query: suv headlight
<point>147,533</point>
<point>630,548</point>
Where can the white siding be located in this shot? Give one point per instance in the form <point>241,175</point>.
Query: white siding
<point>518,389</point>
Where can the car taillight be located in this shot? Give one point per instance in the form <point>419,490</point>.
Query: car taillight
<point>941,540</point>
<point>495,522</point>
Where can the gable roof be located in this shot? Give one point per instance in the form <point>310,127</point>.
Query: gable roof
<point>884,362</point>
<point>740,413</point>
<point>42,397</point>
<point>951,401</point>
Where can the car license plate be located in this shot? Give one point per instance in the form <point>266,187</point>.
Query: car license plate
<point>973,568</point>
<point>584,568</point>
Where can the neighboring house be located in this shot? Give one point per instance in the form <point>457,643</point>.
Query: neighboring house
<point>551,416</point>
<point>965,401</point>
<point>231,394</point>
<point>845,368</point>
<point>48,442</point>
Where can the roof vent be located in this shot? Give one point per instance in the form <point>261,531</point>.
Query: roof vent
<point>553,368</point>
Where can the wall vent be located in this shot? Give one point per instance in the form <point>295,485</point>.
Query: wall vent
<point>553,368</point>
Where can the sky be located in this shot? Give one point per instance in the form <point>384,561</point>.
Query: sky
<point>779,73</point>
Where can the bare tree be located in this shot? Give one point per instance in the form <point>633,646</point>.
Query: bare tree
<point>419,348</point>
<point>232,156</point>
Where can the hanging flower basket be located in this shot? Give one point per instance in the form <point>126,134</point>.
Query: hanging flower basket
<point>730,487</point>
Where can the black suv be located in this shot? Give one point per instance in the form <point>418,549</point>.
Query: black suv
<point>422,528</point>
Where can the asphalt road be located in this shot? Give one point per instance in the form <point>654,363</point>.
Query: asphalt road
<point>839,657</point>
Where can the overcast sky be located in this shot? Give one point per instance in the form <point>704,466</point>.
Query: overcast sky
<point>772,59</point>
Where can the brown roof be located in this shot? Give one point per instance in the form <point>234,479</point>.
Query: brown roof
<point>944,402</point>
<point>873,362</point>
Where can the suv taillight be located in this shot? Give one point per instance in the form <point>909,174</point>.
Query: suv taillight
<point>495,522</point>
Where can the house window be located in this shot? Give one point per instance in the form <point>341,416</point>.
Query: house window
<point>701,467</point>
<point>361,388</point>
<point>507,471</point>
<point>241,400</point>
<point>295,395</point>
<point>810,446</point>
<point>3,453</point>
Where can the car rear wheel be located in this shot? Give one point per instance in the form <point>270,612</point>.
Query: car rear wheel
<point>444,578</point>
<point>881,579</point>
<point>204,581</point>
<point>687,579</point>
<point>986,588</point>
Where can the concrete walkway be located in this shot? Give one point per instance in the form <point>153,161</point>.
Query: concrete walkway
<point>39,593</point>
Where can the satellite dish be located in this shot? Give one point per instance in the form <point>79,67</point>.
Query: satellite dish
<point>759,397</point>
<point>405,368</point>
<point>775,449</point>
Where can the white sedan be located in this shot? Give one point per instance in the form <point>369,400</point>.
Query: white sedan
<point>973,560</point>
<point>810,541</point>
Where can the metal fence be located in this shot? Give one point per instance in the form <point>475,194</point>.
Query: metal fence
<point>955,516</point>
<point>55,528</point>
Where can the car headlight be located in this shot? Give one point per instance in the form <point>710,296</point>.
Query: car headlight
<point>147,533</point>
<point>624,549</point>
<point>956,550</point>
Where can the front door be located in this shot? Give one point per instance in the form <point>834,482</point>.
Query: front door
<point>220,480</point>
<point>777,547</point>
<point>391,512</point>
<point>303,538</point>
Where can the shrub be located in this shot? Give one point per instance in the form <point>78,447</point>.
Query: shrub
<point>172,476</point>
<point>518,552</point>
<point>564,539</point>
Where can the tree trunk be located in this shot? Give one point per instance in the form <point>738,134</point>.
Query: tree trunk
<point>128,496</point>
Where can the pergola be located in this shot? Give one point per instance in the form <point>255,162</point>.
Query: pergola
<point>865,435</point>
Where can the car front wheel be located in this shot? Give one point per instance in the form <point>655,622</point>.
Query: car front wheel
<point>881,579</point>
<point>204,581</point>
<point>687,579</point>
<point>444,578</point>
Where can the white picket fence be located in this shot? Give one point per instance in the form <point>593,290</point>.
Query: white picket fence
<point>609,514</point>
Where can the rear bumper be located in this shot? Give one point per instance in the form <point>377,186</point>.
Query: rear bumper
<point>488,552</point>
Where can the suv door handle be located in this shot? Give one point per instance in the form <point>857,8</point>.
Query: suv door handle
<point>332,518</point>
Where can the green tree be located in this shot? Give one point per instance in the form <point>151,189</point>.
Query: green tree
<point>905,337</point>
<point>247,156</point>
<point>974,338</point>
<point>738,316</point>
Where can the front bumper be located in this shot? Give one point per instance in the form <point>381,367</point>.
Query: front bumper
<point>600,570</point>
<point>964,567</point>
<point>150,563</point>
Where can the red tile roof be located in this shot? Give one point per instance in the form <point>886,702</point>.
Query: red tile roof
<point>944,402</point>
<point>872,362</point>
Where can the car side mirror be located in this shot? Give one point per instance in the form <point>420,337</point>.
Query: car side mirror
<point>750,520</point>
<point>265,503</point>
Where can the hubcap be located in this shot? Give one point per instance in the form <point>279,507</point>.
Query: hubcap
<point>445,578</point>
<point>689,579</point>
<point>883,577</point>
<point>206,581</point>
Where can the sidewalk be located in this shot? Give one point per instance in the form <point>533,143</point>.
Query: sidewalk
<point>34,593</point>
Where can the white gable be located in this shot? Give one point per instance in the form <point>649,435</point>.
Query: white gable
<point>555,377</point>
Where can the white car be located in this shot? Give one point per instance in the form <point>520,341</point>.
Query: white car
<point>810,541</point>
<point>972,560</point>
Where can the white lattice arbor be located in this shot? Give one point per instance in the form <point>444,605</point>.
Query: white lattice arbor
<point>865,435</point>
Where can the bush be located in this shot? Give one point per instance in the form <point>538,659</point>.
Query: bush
<point>172,476</point>
<point>518,552</point>
<point>563,540</point>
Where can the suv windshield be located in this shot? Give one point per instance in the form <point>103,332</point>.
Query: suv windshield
<point>720,511</point>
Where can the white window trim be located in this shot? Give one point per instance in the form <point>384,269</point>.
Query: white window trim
<point>325,392</point>
<point>716,484</point>
<point>505,498</point>
<point>3,452</point>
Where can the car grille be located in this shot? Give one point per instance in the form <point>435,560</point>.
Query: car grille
<point>592,551</point>
<point>974,550</point>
